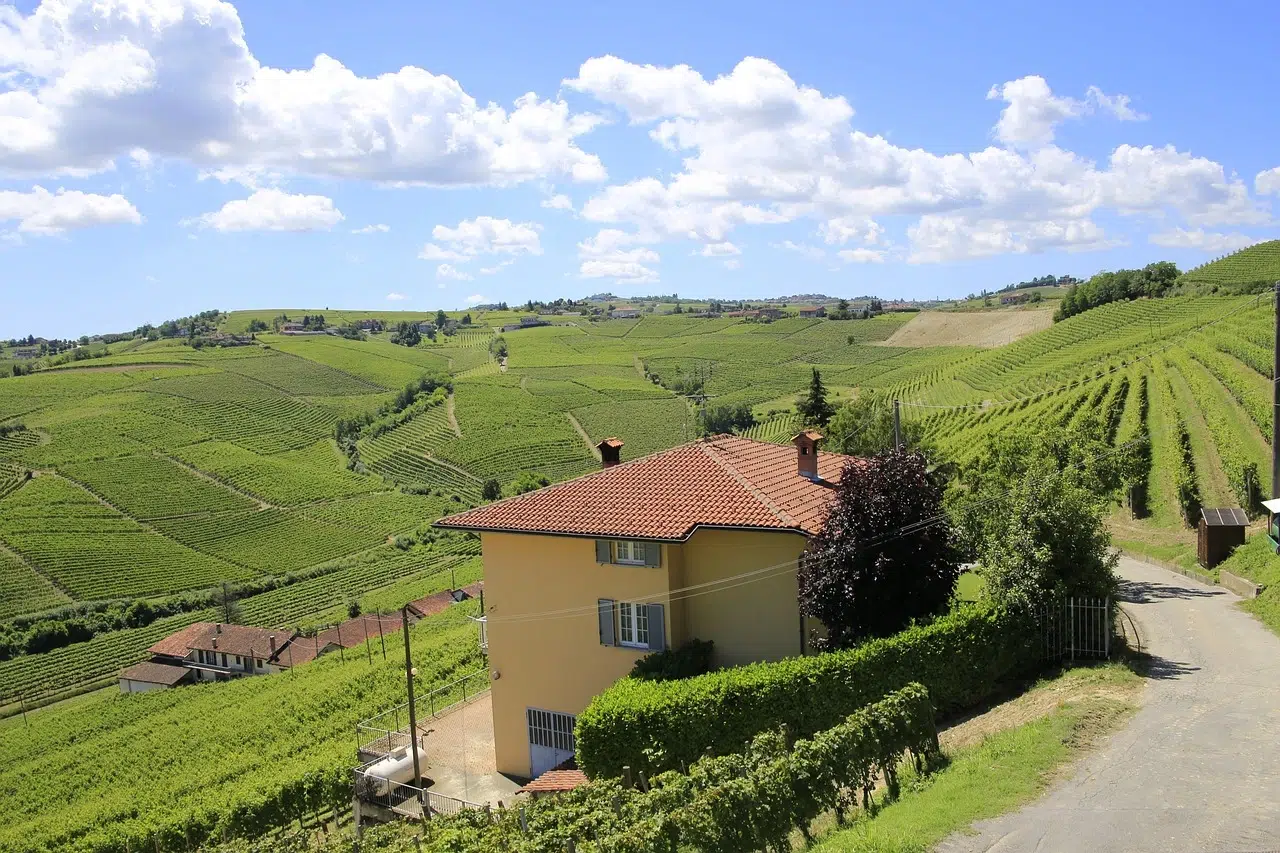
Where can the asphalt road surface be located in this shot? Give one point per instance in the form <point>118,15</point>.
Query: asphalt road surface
<point>1198,767</point>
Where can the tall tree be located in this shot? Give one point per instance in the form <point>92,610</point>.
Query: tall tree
<point>813,407</point>
<point>873,569</point>
<point>864,427</point>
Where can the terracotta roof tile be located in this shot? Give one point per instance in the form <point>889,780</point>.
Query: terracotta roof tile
<point>178,644</point>
<point>725,481</point>
<point>438,602</point>
<point>155,673</point>
<point>353,632</point>
<point>555,781</point>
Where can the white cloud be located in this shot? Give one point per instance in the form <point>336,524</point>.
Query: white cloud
<point>43,213</point>
<point>498,267</point>
<point>396,297</point>
<point>719,250</point>
<point>733,264</point>
<point>476,299</point>
<point>558,201</point>
<point>88,81</point>
<point>273,210</point>
<point>1182,238</point>
<point>759,148</point>
<point>372,229</point>
<point>1033,111</point>
<point>1268,182</point>
<point>813,253</point>
<point>862,256</point>
<point>484,235</point>
<point>449,271</point>
<point>606,255</point>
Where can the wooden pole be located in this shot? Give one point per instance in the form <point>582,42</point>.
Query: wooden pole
<point>413,719</point>
<point>897,424</point>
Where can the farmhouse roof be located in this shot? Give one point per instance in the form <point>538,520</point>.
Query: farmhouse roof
<point>177,645</point>
<point>356,630</point>
<point>555,781</point>
<point>440,601</point>
<point>724,481</point>
<point>155,673</point>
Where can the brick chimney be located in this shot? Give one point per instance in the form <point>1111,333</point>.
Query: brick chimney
<point>271,641</point>
<point>215,642</point>
<point>807,453</point>
<point>217,628</point>
<point>610,452</point>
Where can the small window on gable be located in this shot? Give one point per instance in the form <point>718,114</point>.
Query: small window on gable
<point>628,552</point>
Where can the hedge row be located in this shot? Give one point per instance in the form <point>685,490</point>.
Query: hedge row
<point>751,800</point>
<point>659,725</point>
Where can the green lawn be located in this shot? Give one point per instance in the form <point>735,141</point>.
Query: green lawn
<point>1257,561</point>
<point>970,586</point>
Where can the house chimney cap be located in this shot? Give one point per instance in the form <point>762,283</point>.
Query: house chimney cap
<point>809,434</point>
<point>612,441</point>
<point>610,451</point>
<point>217,628</point>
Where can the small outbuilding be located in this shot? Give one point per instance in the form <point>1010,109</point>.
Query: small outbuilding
<point>1220,531</point>
<point>1273,522</point>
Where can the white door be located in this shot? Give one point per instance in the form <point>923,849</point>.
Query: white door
<point>550,740</point>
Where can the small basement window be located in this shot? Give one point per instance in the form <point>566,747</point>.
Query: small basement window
<point>628,553</point>
<point>633,625</point>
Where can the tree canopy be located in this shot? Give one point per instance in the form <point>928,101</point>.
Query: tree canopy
<point>864,427</point>
<point>1152,280</point>
<point>874,567</point>
<point>813,407</point>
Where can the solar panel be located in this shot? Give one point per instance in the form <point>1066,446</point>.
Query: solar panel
<point>1225,517</point>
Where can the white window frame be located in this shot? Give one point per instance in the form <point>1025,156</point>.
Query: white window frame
<point>633,625</point>
<point>633,548</point>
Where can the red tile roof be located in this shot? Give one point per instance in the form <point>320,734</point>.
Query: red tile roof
<point>354,631</point>
<point>724,481</point>
<point>178,644</point>
<point>244,640</point>
<point>155,673</point>
<point>555,781</point>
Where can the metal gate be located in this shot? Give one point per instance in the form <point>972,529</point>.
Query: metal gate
<point>551,740</point>
<point>1077,628</point>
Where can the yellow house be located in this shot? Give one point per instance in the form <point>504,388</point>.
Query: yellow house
<point>585,577</point>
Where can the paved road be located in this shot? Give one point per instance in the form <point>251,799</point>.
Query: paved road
<point>1198,768</point>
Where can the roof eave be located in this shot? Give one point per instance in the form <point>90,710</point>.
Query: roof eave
<point>675,540</point>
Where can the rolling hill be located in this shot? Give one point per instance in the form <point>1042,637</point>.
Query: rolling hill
<point>1256,266</point>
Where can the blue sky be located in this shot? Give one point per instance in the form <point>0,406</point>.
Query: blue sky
<point>164,157</point>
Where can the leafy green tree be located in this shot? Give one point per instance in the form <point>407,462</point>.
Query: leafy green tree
<point>492,490</point>
<point>466,319</point>
<point>862,575</point>
<point>441,319</point>
<point>864,427</point>
<point>528,481</point>
<point>1046,538</point>
<point>721,419</point>
<point>813,407</point>
<point>407,334</point>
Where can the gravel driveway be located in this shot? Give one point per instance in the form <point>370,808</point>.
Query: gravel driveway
<point>1198,767</point>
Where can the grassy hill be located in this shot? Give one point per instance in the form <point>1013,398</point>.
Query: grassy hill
<point>163,472</point>
<point>1254,267</point>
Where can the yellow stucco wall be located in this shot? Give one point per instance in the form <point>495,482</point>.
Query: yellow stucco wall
<point>753,621</point>
<point>558,664</point>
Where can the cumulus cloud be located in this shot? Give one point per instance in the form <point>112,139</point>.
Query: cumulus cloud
<point>759,148</point>
<point>84,82</point>
<point>719,250</point>
<point>813,253</point>
<point>396,297</point>
<point>273,210</point>
<point>1268,182</point>
<point>559,201</point>
<point>372,229</point>
<point>484,235</point>
<point>1033,111</point>
<point>1182,238</point>
<point>449,271</point>
<point>476,299</point>
<point>614,254</point>
<point>43,213</point>
<point>862,256</point>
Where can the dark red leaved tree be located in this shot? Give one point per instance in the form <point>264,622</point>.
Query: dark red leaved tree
<point>885,555</point>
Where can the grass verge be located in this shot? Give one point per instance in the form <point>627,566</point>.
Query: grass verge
<point>1256,561</point>
<point>1001,772</point>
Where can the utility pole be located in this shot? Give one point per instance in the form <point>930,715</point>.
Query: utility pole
<point>413,717</point>
<point>1275,399</point>
<point>897,424</point>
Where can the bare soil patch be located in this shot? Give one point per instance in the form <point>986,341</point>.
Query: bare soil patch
<point>970,328</point>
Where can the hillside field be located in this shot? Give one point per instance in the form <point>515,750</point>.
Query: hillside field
<point>163,472</point>
<point>984,329</point>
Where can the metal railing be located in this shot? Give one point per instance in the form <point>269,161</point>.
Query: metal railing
<point>1078,628</point>
<point>405,799</point>
<point>386,732</point>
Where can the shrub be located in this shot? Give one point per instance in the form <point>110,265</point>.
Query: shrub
<point>655,725</point>
<point>691,659</point>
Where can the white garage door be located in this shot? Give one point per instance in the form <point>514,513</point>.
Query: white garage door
<point>550,740</point>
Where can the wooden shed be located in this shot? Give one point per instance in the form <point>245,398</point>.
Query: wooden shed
<point>1221,530</point>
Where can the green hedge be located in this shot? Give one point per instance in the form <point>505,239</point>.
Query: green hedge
<point>659,725</point>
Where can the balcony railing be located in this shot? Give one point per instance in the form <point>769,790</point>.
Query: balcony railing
<point>404,799</point>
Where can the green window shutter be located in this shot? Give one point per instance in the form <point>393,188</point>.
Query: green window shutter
<point>602,551</point>
<point>653,554</point>
<point>657,629</point>
<point>607,635</point>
